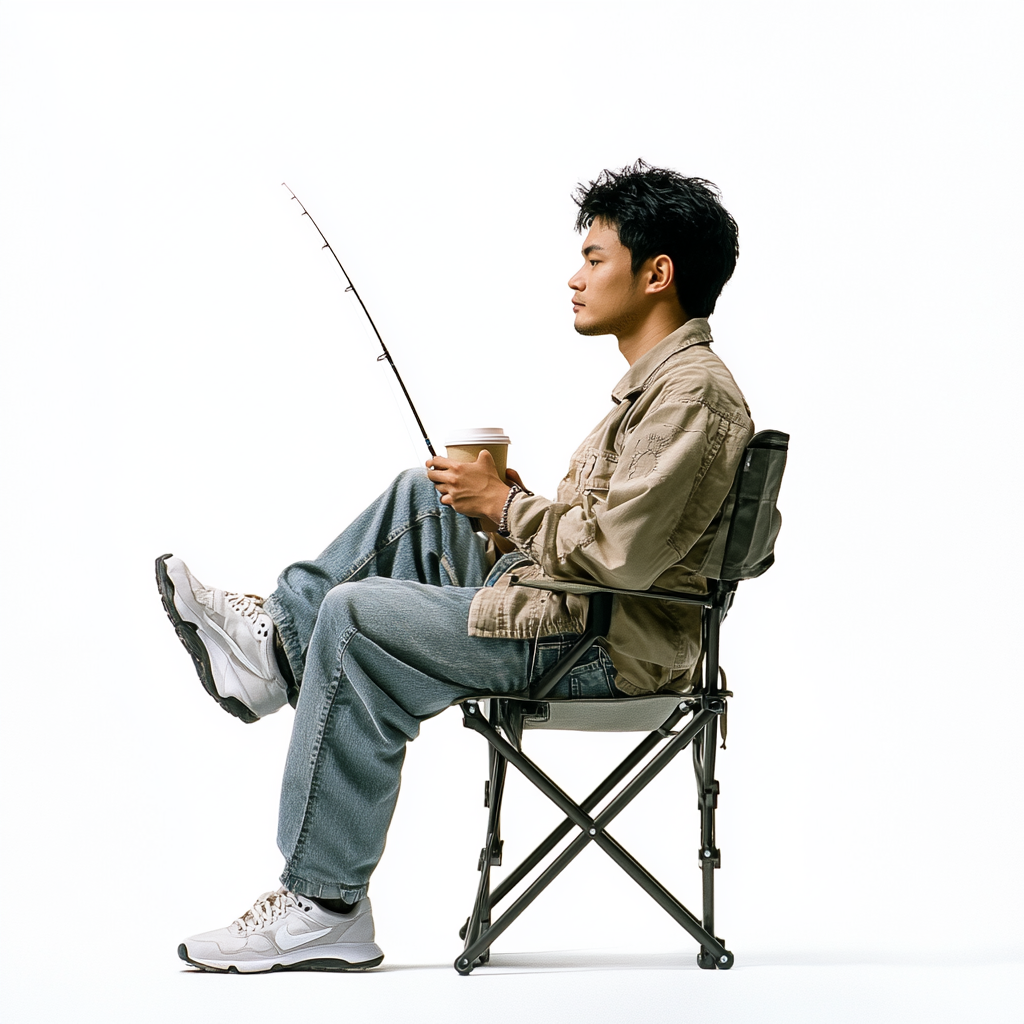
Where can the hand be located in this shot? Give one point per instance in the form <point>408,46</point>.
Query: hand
<point>471,488</point>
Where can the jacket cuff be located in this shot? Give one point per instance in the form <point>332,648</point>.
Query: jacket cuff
<point>525,519</point>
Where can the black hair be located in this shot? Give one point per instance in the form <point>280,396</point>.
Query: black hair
<point>659,212</point>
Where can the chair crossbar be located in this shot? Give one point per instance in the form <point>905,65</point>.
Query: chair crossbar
<point>639,752</point>
<point>480,931</point>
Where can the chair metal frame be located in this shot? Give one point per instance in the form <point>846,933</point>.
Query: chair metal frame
<point>502,727</point>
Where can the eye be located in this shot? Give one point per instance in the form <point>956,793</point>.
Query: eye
<point>593,263</point>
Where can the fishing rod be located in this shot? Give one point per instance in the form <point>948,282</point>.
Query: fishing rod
<point>387,355</point>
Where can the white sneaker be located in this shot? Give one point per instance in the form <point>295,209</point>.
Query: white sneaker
<point>287,932</point>
<point>230,638</point>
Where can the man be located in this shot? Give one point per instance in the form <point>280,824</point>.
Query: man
<point>405,614</point>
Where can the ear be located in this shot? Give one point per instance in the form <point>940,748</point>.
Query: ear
<point>658,274</point>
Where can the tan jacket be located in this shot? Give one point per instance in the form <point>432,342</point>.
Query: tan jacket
<point>638,508</point>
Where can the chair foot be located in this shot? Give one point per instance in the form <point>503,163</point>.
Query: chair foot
<point>463,966</point>
<point>707,961</point>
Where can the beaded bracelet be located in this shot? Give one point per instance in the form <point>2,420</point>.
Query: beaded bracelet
<point>503,530</point>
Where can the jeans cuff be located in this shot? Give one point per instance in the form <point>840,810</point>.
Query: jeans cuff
<point>289,638</point>
<point>322,890</point>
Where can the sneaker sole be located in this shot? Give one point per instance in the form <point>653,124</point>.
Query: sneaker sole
<point>188,634</point>
<point>314,964</point>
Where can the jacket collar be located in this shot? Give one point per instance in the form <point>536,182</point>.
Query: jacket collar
<point>694,332</point>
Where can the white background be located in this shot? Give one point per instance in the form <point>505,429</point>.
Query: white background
<point>182,372</point>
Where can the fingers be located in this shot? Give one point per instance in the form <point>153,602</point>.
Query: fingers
<point>439,470</point>
<point>446,471</point>
<point>468,487</point>
<point>514,476</point>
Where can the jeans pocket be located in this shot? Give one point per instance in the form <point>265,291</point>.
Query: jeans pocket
<point>593,677</point>
<point>506,563</point>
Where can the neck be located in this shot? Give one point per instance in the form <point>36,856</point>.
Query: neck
<point>638,340</point>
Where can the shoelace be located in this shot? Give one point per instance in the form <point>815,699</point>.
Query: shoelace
<point>267,909</point>
<point>248,605</point>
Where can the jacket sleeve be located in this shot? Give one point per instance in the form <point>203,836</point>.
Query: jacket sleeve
<point>639,511</point>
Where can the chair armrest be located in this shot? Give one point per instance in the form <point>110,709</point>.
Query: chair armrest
<point>567,587</point>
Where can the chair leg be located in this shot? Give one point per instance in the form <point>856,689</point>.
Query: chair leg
<point>479,921</point>
<point>704,750</point>
<point>710,857</point>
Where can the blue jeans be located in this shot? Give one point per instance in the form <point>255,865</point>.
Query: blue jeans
<point>376,631</point>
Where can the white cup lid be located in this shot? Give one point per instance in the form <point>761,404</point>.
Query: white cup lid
<point>477,435</point>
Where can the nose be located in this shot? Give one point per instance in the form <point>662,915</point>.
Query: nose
<point>577,282</point>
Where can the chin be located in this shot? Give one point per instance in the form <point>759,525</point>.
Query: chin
<point>591,329</point>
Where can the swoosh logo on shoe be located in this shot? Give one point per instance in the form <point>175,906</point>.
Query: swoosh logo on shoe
<point>286,940</point>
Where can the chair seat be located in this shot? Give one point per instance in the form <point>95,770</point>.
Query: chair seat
<point>616,714</point>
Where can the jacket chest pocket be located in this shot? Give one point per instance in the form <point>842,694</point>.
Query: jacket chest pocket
<point>595,476</point>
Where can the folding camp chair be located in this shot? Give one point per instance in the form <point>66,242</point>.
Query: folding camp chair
<point>742,548</point>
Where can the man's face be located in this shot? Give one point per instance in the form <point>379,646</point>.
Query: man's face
<point>607,298</point>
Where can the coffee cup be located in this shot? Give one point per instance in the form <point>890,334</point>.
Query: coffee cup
<point>466,443</point>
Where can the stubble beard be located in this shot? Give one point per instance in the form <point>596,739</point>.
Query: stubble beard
<point>618,325</point>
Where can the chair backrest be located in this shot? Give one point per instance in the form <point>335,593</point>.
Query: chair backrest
<point>744,546</point>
